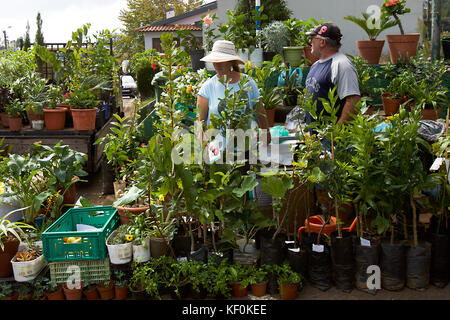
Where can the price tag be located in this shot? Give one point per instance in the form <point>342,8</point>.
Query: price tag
<point>294,250</point>
<point>365,242</point>
<point>437,164</point>
<point>317,247</point>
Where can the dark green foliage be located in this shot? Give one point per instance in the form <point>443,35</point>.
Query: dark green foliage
<point>144,77</point>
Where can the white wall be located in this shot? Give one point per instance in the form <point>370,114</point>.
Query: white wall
<point>336,10</point>
<point>149,36</point>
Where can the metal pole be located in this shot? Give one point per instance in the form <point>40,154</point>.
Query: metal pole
<point>6,40</point>
<point>435,29</point>
<point>258,22</point>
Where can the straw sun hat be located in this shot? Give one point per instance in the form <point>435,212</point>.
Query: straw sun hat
<point>222,50</point>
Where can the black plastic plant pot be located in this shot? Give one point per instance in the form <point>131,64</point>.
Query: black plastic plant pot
<point>272,250</point>
<point>393,266</point>
<point>298,260</point>
<point>196,55</point>
<point>418,266</point>
<point>365,256</point>
<point>343,261</point>
<point>440,260</point>
<point>320,268</point>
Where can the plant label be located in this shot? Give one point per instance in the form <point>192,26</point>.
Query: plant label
<point>437,164</point>
<point>317,247</point>
<point>365,242</point>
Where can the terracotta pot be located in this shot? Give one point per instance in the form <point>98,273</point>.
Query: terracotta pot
<point>390,106</point>
<point>54,119</point>
<point>430,114</point>
<point>84,119</point>
<point>57,295</point>
<point>13,297</point>
<point>308,55</point>
<point>73,294</point>
<point>5,120</point>
<point>125,211</point>
<point>238,291</point>
<point>106,293</point>
<point>288,292</point>
<point>6,255</point>
<point>402,46</point>
<point>259,289</point>
<point>91,293</point>
<point>15,124</point>
<point>271,116</point>
<point>121,293</point>
<point>370,50</point>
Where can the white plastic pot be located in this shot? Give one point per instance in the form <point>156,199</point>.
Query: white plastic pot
<point>249,248</point>
<point>119,253</point>
<point>27,270</point>
<point>141,253</point>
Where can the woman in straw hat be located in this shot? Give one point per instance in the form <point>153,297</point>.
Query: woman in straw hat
<point>226,63</point>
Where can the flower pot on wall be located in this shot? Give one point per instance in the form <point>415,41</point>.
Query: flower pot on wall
<point>293,56</point>
<point>84,119</point>
<point>402,46</point>
<point>54,119</point>
<point>370,50</point>
<point>15,124</point>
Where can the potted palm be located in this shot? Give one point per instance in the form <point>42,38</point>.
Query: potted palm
<point>371,49</point>
<point>401,46</point>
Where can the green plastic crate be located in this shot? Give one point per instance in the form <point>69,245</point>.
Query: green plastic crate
<point>61,241</point>
<point>90,270</point>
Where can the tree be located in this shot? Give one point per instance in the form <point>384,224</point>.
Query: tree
<point>39,39</point>
<point>276,10</point>
<point>27,42</point>
<point>144,12</point>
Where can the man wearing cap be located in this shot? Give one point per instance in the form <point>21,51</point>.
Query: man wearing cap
<point>226,63</point>
<point>332,69</point>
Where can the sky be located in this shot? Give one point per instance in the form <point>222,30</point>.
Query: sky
<point>59,17</point>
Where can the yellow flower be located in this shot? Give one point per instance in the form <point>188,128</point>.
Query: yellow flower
<point>161,197</point>
<point>2,187</point>
<point>129,237</point>
<point>189,88</point>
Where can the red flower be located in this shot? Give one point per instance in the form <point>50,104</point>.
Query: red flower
<point>154,66</point>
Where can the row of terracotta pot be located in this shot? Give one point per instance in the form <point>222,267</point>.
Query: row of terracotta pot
<point>104,290</point>
<point>55,119</point>
<point>400,46</point>
<point>391,107</point>
<point>287,292</point>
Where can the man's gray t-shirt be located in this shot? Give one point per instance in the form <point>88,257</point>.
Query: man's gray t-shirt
<point>327,73</point>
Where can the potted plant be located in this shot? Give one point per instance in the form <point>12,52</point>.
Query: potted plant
<point>395,93</point>
<point>27,264</point>
<point>288,280</point>
<point>90,290</point>
<point>11,234</point>
<point>290,84</point>
<point>5,98</point>
<point>7,292</point>
<point>402,46</point>
<point>106,289</point>
<point>73,290</point>
<point>239,279</point>
<point>119,148</point>
<point>53,290</point>
<point>244,40</point>
<point>132,202</point>
<point>275,36</point>
<point>270,97</point>
<point>121,286</point>
<point>83,107</point>
<point>54,112</point>
<point>35,95</point>
<point>140,227</point>
<point>293,53</point>
<point>14,110</point>
<point>371,49</point>
<point>429,99</point>
<point>258,281</point>
<point>119,244</point>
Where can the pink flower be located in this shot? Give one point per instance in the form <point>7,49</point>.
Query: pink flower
<point>207,20</point>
